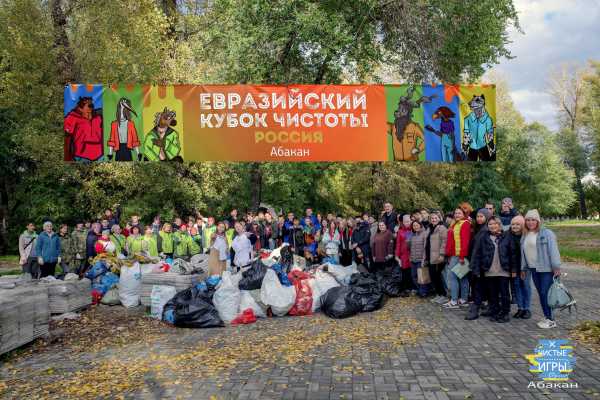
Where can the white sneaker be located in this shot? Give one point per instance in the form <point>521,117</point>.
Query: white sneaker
<point>450,305</point>
<point>462,303</point>
<point>546,324</point>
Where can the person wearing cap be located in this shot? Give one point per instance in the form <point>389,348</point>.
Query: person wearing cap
<point>181,243</point>
<point>510,255</point>
<point>540,255</point>
<point>79,236</point>
<point>47,249</point>
<point>507,213</point>
<point>27,258</point>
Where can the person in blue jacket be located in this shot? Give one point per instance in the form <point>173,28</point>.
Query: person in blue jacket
<point>47,248</point>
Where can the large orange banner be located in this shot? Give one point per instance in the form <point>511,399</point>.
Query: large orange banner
<point>279,123</point>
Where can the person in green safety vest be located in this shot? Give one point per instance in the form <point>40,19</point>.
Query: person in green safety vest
<point>118,239</point>
<point>149,242</point>
<point>162,142</point>
<point>181,240</point>
<point>166,242</point>
<point>134,242</point>
<point>229,233</point>
<point>195,242</point>
<point>207,233</point>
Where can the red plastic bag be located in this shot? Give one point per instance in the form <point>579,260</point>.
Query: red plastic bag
<point>304,300</point>
<point>246,317</point>
<point>96,296</point>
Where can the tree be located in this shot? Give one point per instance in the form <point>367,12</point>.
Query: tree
<point>567,91</point>
<point>591,112</point>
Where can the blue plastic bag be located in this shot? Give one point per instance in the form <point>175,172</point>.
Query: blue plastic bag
<point>213,280</point>
<point>283,278</point>
<point>98,269</point>
<point>201,286</point>
<point>105,282</point>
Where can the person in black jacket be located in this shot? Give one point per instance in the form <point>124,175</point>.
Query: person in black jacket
<point>510,254</point>
<point>478,288</point>
<point>361,242</point>
<point>296,233</point>
<point>497,275</point>
<point>389,216</point>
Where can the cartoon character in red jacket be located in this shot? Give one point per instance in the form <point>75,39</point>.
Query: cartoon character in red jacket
<point>123,134</point>
<point>83,128</point>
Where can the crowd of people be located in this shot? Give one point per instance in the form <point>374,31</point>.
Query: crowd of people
<point>480,260</point>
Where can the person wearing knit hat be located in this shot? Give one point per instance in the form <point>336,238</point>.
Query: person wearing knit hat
<point>510,255</point>
<point>478,284</point>
<point>507,213</point>
<point>540,255</point>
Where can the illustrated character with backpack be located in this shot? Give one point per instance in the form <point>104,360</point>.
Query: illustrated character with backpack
<point>162,142</point>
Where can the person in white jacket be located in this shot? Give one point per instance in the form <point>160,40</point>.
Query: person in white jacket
<point>242,246</point>
<point>331,241</point>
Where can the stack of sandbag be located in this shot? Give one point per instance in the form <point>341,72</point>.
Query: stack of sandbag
<point>68,295</point>
<point>24,315</point>
<point>178,281</point>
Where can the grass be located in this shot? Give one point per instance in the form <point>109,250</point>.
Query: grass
<point>9,258</point>
<point>10,272</point>
<point>578,241</point>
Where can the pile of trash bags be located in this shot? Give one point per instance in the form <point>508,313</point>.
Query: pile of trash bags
<point>278,284</point>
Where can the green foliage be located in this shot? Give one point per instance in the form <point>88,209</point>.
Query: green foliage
<point>248,41</point>
<point>592,112</point>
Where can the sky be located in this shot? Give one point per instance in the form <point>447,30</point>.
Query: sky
<point>554,32</point>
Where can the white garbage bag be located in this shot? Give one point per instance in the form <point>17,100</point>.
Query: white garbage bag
<point>247,301</point>
<point>320,285</point>
<point>130,283</point>
<point>227,298</point>
<point>160,296</point>
<point>281,298</point>
<point>342,273</point>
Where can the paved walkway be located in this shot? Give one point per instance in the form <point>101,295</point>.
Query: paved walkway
<point>411,349</point>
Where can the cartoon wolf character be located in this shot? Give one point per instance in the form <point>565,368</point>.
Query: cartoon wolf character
<point>123,134</point>
<point>162,142</point>
<point>478,140</point>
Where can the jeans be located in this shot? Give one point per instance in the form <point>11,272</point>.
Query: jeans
<point>523,291</point>
<point>457,286</point>
<point>499,295</point>
<point>413,273</point>
<point>542,282</point>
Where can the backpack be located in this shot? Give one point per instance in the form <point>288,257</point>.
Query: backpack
<point>559,296</point>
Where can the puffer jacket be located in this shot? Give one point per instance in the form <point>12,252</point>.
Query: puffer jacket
<point>436,245</point>
<point>417,245</point>
<point>510,252</point>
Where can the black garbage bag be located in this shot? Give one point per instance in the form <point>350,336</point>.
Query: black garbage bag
<point>286,259</point>
<point>252,277</point>
<point>365,290</point>
<point>390,282</point>
<point>192,308</point>
<point>338,302</point>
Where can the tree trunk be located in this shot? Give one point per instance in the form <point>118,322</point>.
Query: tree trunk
<point>65,57</point>
<point>255,185</point>
<point>581,195</point>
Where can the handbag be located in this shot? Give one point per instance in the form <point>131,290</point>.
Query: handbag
<point>460,270</point>
<point>559,296</point>
<point>423,277</point>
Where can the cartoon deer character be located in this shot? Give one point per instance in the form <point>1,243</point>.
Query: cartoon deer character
<point>162,142</point>
<point>123,135</point>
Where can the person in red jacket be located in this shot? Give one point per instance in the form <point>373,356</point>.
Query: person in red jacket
<point>83,128</point>
<point>457,248</point>
<point>402,253</point>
